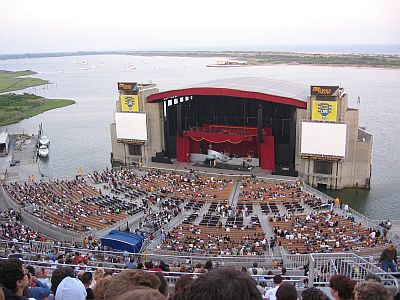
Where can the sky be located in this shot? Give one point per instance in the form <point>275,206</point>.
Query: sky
<point>32,26</point>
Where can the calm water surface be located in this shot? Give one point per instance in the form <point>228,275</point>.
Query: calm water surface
<point>80,134</point>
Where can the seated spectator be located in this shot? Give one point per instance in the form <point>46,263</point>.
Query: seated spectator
<point>271,293</point>
<point>13,278</point>
<point>372,277</point>
<point>58,275</point>
<point>70,288</point>
<point>101,287</point>
<point>37,289</point>
<point>341,287</point>
<point>97,275</point>
<point>87,280</point>
<point>129,280</point>
<point>142,294</point>
<point>313,293</point>
<point>163,289</point>
<point>371,290</point>
<point>255,270</point>
<point>227,284</point>
<point>181,285</point>
<point>286,291</point>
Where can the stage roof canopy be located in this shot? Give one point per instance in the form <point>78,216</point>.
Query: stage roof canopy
<point>270,90</point>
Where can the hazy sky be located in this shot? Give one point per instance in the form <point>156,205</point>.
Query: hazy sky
<point>72,25</point>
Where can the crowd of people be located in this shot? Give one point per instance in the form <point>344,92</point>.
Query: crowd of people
<point>11,228</point>
<point>62,203</point>
<point>22,282</point>
<point>323,232</point>
<point>78,206</point>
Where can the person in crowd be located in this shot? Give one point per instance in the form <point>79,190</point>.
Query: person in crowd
<point>271,293</point>
<point>312,293</point>
<point>142,294</point>
<point>37,288</point>
<point>372,276</point>
<point>371,290</point>
<point>129,280</point>
<point>208,265</point>
<point>341,287</point>
<point>97,275</point>
<point>58,275</point>
<point>70,288</point>
<point>42,274</point>
<point>255,270</point>
<point>13,279</point>
<point>223,283</point>
<point>180,286</point>
<point>163,289</point>
<point>87,280</point>
<point>388,258</point>
<point>286,291</point>
<point>2,297</point>
<point>101,287</point>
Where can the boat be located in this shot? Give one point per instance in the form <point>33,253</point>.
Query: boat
<point>229,63</point>
<point>43,151</point>
<point>44,141</point>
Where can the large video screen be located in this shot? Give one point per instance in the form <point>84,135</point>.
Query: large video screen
<point>323,139</point>
<point>131,126</point>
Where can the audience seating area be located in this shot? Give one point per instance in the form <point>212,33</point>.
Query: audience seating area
<point>201,239</point>
<point>322,232</point>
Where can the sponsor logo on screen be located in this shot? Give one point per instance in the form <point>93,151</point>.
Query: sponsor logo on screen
<point>127,86</point>
<point>323,90</point>
<point>129,103</point>
<point>324,111</point>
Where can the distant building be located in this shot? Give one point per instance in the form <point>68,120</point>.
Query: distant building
<point>4,143</point>
<point>282,127</point>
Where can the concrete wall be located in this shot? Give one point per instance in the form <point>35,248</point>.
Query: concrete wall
<point>155,125</point>
<point>355,169</point>
<point>155,130</point>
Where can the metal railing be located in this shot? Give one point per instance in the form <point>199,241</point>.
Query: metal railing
<point>326,265</point>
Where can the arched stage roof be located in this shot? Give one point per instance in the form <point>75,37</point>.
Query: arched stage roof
<point>269,90</point>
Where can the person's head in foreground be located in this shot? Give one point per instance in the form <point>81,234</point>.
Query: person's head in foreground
<point>13,278</point>
<point>101,287</point>
<point>286,291</point>
<point>313,293</point>
<point>71,288</point>
<point>371,290</point>
<point>129,280</point>
<point>223,283</point>
<point>142,293</point>
<point>341,287</point>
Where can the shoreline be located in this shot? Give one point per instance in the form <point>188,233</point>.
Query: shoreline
<point>386,61</point>
<point>17,107</point>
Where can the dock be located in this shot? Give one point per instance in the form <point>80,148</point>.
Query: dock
<point>23,153</point>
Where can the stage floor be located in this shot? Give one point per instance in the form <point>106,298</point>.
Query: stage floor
<point>223,166</point>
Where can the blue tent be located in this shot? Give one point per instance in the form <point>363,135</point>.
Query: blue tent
<point>122,240</point>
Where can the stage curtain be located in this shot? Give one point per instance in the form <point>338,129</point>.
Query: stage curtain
<point>182,148</point>
<point>218,138</point>
<point>267,153</point>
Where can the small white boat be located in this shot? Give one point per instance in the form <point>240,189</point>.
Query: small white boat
<point>44,141</point>
<point>43,151</point>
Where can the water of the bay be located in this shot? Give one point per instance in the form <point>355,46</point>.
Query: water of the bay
<point>80,134</point>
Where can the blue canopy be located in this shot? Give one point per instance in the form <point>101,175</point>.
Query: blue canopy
<point>122,240</point>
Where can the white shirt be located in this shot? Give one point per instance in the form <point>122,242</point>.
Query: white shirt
<point>271,293</point>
